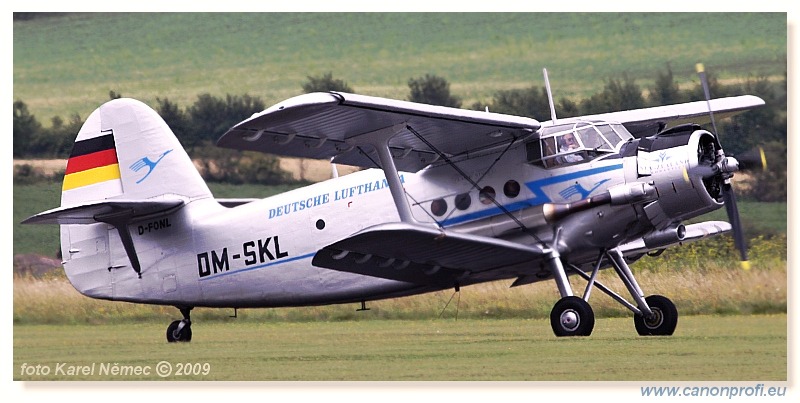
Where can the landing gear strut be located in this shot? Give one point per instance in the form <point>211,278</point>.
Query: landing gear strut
<point>180,330</point>
<point>571,316</point>
<point>654,315</point>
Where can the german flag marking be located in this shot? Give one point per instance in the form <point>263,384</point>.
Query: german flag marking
<point>93,145</point>
<point>92,161</point>
<point>91,176</point>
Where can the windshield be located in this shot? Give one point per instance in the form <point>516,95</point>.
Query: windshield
<point>576,142</point>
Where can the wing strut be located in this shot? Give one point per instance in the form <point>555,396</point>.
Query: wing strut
<point>380,140</point>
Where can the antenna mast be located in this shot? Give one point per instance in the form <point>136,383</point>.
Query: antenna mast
<point>549,96</point>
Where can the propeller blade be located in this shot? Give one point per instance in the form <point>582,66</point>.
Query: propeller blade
<point>728,196</point>
<point>736,224</point>
<point>701,72</point>
<point>703,171</point>
<point>753,160</point>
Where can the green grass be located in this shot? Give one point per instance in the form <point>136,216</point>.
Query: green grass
<point>67,64</point>
<point>704,348</point>
<point>27,201</point>
<point>695,288</point>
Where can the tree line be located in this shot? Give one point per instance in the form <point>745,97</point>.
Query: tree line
<point>200,124</point>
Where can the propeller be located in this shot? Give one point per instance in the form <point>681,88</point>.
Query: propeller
<point>753,160</point>
<point>725,166</point>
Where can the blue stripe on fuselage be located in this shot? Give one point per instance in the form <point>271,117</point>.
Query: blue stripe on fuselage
<point>539,197</point>
<point>537,185</point>
<point>278,262</point>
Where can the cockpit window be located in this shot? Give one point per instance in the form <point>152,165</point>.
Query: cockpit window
<point>576,142</point>
<point>611,134</point>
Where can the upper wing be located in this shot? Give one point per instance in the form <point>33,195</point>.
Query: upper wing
<point>422,255</point>
<point>648,121</point>
<point>333,125</point>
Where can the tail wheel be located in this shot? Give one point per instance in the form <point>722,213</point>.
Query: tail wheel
<point>178,333</point>
<point>572,316</point>
<point>662,322</point>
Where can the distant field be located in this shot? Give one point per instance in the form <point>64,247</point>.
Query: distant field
<point>68,64</point>
<point>750,348</point>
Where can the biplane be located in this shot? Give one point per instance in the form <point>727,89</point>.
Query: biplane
<point>447,198</point>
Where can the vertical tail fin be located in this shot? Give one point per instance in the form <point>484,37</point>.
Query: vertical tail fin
<point>126,165</point>
<point>126,150</point>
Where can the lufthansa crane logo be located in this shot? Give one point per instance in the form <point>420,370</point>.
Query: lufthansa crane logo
<point>577,189</point>
<point>145,162</point>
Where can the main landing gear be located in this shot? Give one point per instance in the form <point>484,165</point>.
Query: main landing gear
<point>180,330</point>
<point>573,316</point>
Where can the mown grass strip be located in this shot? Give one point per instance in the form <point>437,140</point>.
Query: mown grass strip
<point>704,348</point>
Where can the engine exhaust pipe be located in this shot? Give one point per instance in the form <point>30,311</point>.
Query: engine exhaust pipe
<point>665,237</point>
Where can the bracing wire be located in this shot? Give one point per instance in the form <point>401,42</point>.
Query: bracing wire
<point>475,185</point>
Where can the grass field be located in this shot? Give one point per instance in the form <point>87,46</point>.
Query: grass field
<point>704,348</point>
<point>68,64</point>
<point>706,289</point>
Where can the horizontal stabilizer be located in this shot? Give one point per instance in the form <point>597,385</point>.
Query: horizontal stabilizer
<point>422,255</point>
<point>94,212</point>
<point>694,232</point>
<point>235,202</point>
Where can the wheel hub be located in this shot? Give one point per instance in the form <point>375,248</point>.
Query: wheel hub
<point>570,319</point>
<point>655,320</point>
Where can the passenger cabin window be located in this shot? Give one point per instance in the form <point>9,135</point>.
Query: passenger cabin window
<point>573,143</point>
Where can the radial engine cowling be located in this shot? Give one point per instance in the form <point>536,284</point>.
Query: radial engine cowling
<point>674,161</point>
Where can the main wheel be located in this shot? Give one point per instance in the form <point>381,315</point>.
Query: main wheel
<point>182,335</point>
<point>663,321</point>
<point>572,316</point>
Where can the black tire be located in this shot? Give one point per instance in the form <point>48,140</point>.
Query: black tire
<point>185,335</point>
<point>572,316</point>
<point>664,320</point>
